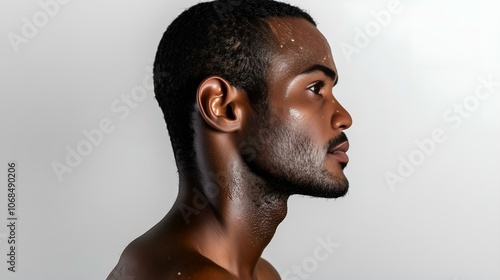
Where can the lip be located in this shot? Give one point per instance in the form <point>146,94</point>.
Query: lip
<point>339,152</point>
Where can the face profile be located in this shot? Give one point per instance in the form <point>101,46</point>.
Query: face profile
<point>246,88</point>
<point>304,122</point>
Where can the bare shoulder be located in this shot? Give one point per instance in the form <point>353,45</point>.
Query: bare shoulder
<point>208,271</point>
<point>142,261</point>
<point>131,263</point>
<point>266,271</point>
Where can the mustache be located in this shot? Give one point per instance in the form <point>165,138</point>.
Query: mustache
<point>336,141</point>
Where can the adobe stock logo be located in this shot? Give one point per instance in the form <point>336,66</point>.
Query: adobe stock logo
<point>454,117</point>
<point>372,29</point>
<point>121,107</point>
<point>323,251</point>
<point>40,19</point>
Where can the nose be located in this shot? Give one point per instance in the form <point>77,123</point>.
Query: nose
<point>341,119</point>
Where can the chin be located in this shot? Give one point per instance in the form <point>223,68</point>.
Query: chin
<point>321,186</point>
<point>334,192</point>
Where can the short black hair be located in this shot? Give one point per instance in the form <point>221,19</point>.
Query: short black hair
<point>228,38</point>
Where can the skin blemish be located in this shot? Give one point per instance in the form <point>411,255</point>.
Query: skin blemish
<point>295,114</point>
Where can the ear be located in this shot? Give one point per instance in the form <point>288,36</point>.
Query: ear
<point>221,105</point>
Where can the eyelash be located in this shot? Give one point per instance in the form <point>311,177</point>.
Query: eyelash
<point>320,86</point>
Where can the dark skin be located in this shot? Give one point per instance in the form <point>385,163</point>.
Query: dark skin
<point>222,234</point>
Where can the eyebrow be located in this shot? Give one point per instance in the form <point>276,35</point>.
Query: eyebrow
<point>327,71</point>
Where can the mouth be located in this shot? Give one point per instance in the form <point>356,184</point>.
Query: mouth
<point>339,153</point>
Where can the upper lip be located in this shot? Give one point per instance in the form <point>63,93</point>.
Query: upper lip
<point>342,147</point>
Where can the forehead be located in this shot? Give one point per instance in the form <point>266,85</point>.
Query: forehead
<point>300,46</point>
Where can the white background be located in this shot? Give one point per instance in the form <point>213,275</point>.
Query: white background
<point>441,223</point>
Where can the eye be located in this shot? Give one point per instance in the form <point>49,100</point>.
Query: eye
<point>316,87</point>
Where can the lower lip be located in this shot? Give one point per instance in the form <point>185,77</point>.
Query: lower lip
<point>340,157</point>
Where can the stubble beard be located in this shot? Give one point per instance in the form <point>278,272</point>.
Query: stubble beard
<point>290,163</point>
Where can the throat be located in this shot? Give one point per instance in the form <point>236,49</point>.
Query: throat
<point>261,210</point>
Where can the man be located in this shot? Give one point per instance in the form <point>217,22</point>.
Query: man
<point>246,90</point>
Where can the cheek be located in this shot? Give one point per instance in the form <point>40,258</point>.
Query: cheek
<point>316,125</point>
<point>303,111</point>
<point>295,114</point>
<point>308,121</point>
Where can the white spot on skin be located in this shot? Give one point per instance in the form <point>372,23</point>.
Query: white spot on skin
<point>295,114</point>
<point>293,40</point>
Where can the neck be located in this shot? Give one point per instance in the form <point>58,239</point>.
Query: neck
<point>234,214</point>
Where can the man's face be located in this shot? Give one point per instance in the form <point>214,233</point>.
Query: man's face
<point>304,146</point>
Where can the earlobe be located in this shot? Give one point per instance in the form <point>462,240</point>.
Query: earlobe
<point>220,104</point>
